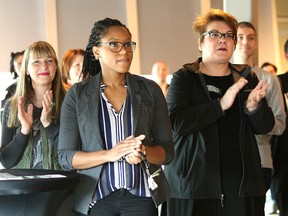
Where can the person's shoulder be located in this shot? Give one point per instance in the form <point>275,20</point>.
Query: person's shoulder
<point>283,75</point>
<point>263,74</point>
<point>141,79</point>
<point>11,88</point>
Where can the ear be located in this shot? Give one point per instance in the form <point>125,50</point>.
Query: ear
<point>96,51</point>
<point>286,56</point>
<point>199,45</point>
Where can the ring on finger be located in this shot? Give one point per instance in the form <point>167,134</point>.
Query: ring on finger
<point>51,104</point>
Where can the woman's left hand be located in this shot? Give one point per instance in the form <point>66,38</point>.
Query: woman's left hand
<point>256,95</point>
<point>47,105</point>
<point>135,157</point>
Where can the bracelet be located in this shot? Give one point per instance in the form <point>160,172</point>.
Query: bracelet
<point>250,108</point>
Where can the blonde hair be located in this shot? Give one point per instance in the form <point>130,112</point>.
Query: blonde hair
<point>25,89</point>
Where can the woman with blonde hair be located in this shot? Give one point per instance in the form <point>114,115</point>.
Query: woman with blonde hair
<point>30,123</point>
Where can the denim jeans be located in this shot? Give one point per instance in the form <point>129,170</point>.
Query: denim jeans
<point>123,203</point>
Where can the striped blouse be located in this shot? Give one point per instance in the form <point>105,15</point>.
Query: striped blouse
<point>116,175</point>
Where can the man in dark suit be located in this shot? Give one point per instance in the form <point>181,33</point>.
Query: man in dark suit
<point>280,153</point>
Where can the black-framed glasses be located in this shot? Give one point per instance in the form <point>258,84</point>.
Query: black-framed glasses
<point>117,46</point>
<point>217,35</point>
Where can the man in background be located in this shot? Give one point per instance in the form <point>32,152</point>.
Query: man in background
<point>159,72</point>
<point>267,66</point>
<point>280,153</point>
<point>244,52</point>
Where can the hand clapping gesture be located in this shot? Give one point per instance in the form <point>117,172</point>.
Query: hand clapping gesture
<point>47,105</point>
<point>128,148</point>
<point>26,117</point>
<point>254,97</point>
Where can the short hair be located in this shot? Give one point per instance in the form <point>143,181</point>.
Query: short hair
<point>91,66</point>
<point>265,64</point>
<point>67,61</point>
<point>248,25</point>
<point>286,46</point>
<point>202,21</point>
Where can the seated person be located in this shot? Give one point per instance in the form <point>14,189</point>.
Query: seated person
<point>30,123</point>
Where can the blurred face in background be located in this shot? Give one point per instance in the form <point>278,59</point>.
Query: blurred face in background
<point>246,42</point>
<point>75,70</point>
<point>160,71</point>
<point>270,69</point>
<point>17,64</point>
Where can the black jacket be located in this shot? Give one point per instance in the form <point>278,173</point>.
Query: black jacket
<point>194,171</point>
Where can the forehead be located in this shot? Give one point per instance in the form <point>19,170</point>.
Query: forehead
<point>218,25</point>
<point>39,56</point>
<point>245,31</point>
<point>116,33</point>
<point>268,67</point>
<point>19,58</point>
<point>78,57</point>
<point>161,65</point>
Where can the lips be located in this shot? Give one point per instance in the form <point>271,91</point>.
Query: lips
<point>44,74</point>
<point>222,49</point>
<point>123,60</point>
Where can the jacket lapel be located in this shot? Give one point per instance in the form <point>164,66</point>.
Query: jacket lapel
<point>136,100</point>
<point>93,103</point>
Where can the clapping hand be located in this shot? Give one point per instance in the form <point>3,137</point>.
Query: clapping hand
<point>229,97</point>
<point>47,105</point>
<point>256,95</point>
<point>25,117</point>
<point>128,148</point>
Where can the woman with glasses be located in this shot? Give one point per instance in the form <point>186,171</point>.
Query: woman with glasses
<point>111,123</point>
<point>216,108</point>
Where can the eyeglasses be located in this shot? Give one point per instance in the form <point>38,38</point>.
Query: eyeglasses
<point>218,35</point>
<point>117,46</point>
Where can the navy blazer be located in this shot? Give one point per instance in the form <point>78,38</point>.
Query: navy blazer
<point>79,126</point>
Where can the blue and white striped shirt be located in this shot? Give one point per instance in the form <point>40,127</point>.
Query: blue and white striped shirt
<point>116,175</point>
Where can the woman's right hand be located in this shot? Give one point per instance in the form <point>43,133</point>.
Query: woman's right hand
<point>25,117</point>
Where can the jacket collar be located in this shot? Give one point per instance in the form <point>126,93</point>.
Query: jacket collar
<point>133,88</point>
<point>238,70</point>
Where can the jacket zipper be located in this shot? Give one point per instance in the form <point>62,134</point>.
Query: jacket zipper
<point>222,200</point>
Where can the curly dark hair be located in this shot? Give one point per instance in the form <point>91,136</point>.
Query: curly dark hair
<point>91,66</point>
<point>14,56</point>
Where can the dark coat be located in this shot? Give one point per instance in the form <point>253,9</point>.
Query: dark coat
<point>195,173</point>
<point>79,128</point>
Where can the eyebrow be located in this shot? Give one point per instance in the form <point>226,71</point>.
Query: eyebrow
<point>248,35</point>
<point>230,31</point>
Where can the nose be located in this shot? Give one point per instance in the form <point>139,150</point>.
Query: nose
<point>44,64</point>
<point>123,50</point>
<point>222,39</point>
<point>244,40</point>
